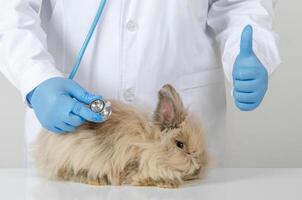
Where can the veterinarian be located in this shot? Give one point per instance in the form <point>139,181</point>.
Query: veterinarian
<point>138,47</point>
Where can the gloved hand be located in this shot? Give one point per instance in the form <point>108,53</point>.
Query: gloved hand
<point>250,78</point>
<point>59,104</point>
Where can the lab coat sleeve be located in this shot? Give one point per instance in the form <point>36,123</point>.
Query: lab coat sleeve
<point>24,59</point>
<point>227,18</point>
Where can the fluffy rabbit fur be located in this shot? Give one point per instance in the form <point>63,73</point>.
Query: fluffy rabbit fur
<point>164,149</point>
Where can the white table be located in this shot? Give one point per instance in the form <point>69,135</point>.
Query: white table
<point>221,184</point>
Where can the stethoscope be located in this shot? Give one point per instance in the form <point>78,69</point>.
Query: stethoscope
<point>100,105</point>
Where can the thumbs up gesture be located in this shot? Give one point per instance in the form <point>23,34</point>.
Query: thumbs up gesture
<point>250,78</point>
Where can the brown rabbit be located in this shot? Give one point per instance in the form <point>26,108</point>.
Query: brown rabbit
<point>162,150</point>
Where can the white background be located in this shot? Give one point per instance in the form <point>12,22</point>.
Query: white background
<point>268,137</point>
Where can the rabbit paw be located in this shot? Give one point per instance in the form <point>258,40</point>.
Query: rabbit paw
<point>157,183</point>
<point>97,181</point>
<point>92,182</point>
<point>167,184</point>
<point>144,182</point>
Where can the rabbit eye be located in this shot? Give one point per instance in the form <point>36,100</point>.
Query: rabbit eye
<point>179,144</point>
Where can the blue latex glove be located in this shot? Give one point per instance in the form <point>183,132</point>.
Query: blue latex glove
<point>250,78</point>
<point>59,105</point>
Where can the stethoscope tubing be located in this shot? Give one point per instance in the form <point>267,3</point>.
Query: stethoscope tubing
<point>101,106</point>
<point>87,39</point>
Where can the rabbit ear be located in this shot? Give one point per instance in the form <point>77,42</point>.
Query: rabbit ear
<point>170,111</point>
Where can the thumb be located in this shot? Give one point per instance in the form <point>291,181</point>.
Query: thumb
<point>246,44</point>
<point>77,92</point>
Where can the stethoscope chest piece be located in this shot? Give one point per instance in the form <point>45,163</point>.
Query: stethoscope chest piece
<point>101,106</point>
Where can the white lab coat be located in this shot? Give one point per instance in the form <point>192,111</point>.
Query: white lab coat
<point>137,47</point>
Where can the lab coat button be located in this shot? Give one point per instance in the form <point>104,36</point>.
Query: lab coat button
<point>132,26</point>
<point>129,94</point>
